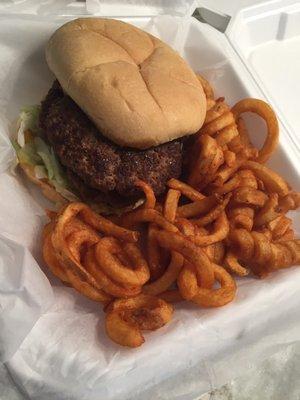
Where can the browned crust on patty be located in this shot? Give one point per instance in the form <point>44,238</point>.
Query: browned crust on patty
<point>99,163</point>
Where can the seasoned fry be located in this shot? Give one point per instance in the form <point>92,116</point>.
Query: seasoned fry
<point>187,281</point>
<point>155,264</point>
<point>266,112</point>
<point>126,318</point>
<point>148,215</point>
<point>232,264</point>
<point>168,278</point>
<point>108,285</point>
<point>171,204</point>
<point>186,190</point>
<point>249,197</point>
<point>291,201</point>
<point>149,194</point>
<point>279,227</point>
<point>272,181</point>
<point>217,297</point>
<point>225,172</point>
<point>192,253</point>
<point>220,122</point>
<point>268,213</point>
<point>106,250</point>
<point>215,252</point>
<point>229,157</point>
<point>227,187</point>
<point>209,160</point>
<point>226,135</point>
<point>220,232</point>
<point>198,207</point>
<point>241,217</point>
<point>214,213</point>
<point>185,226</point>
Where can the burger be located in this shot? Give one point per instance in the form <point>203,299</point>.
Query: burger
<point>121,107</point>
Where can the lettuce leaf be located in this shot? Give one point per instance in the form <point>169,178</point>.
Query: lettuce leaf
<point>27,154</point>
<point>33,150</point>
<point>28,120</point>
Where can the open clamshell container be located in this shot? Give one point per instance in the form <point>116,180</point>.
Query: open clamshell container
<point>51,338</point>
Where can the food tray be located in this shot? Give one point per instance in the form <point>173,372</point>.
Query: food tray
<point>65,353</point>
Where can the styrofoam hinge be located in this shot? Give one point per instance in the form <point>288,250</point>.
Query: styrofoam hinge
<point>215,19</point>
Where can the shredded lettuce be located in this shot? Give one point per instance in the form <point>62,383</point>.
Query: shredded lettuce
<point>33,150</point>
<point>40,172</point>
<point>28,120</point>
<point>27,154</point>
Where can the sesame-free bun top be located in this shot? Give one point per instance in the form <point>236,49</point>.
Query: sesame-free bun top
<point>136,89</point>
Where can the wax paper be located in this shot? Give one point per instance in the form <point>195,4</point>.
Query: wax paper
<point>52,338</point>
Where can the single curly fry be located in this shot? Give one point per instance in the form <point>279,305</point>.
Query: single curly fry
<point>279,226</point>
<point>241,217</point>
<point>171,204</point>
<point>148,215</point>
<point>149,194</point>
<point>187,281</point>
<point>268,212</point>
<point>249,197</point>
<point>154,256</point>
<point>126,318</point>
<point>192,253</point>
<point>229,157</point>
<point>214,213</point>
<point>266,112</point>
<point>225,136</point>
<point>209,158</point>
<point>108,285</point>
<point>217,297</point>
<point>168,278</point>
<point>273,182</point>
<point>241,143</point>
<point>220,232</point>
<point>185,189</point>
<point>225,172</point>
<point>291,201</point>
<point>199,207</point>
<point>106,251</point>
<point>232,265</point>
<point>215,252</point>
<point>186,227</point>
<point>220,121</point>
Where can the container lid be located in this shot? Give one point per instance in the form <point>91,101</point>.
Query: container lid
<point>267,39</point>
<point>108,8</point>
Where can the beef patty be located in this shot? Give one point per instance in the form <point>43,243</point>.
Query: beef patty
<point>97,162</point>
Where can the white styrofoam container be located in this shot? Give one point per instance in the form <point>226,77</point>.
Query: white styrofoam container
<point>267,38</point>
<point>236,66</point>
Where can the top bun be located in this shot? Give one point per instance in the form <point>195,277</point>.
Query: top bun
<point>136,89</point>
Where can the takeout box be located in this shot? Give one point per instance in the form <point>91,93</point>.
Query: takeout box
<point>51,338</point>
